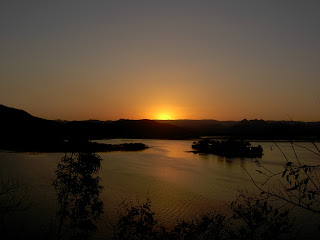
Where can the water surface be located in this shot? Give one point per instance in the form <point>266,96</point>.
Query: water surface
<point>180,184</point>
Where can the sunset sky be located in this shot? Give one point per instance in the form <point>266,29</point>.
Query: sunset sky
<point>106,60</point>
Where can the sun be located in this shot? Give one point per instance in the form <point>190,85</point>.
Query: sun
<point>164,116</point>
<point>164,113</point>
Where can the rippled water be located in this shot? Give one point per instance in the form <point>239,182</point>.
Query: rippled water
<point>180,184</point>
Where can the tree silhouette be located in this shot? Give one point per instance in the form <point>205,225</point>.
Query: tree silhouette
<point>12,199</point>
<point>78,189</point>
<point>297,185</point>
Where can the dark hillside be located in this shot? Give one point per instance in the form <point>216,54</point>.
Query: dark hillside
<point>275,129</point>
<point>19,126</point>
<point>202,127</point>
<point>123,129</point>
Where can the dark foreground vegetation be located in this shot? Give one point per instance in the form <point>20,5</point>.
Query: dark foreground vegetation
<point>249,218</point>
<point>78,186</point>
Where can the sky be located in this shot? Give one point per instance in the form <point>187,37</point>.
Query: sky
<point>106,60</point>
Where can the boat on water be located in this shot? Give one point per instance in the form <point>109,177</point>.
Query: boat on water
<point>228,148</point>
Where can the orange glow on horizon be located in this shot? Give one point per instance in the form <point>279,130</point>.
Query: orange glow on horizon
<point>164,116</point>
<point>164,113</point>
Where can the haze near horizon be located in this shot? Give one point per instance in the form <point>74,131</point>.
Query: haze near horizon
<point>223,60</point>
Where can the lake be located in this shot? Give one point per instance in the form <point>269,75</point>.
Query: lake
<point>180,184</point>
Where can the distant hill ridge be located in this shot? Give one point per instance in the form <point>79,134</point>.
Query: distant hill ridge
<point>254,129</point>
<point>8,113</point>
<point>19,126</point>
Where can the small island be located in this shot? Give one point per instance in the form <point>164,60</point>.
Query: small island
<point>228,148</point>
<point>74,146</point>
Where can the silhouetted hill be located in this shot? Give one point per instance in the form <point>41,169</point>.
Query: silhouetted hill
<point>19,127</point>
<point>13,114</point>
<point>275,129</point>
<point>254,129</point>
<point>202,127</point>
<point>123,129</point>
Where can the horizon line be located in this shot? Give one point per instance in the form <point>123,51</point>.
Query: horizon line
<point>128,119</point>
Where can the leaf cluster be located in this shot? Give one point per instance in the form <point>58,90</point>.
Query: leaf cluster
<point>78,192</point>
<point>251,218</point>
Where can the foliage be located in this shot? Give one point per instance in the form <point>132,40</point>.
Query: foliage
<point>251,218</point>
<point>12,199</point>
<point>257,218</point>
<point>78,193</point>
<point>297,185</point>
<point>136,222</point>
